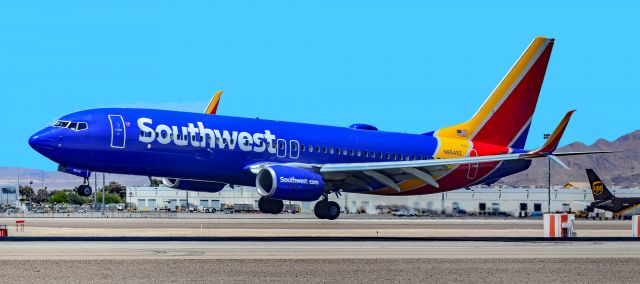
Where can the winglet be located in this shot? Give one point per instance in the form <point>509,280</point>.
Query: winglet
<point>552,142</point>
<point>213,105</point>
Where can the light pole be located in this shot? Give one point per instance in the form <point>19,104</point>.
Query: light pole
<point>546,136</point>
<point>103,194</point>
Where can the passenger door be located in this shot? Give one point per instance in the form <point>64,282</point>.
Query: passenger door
<point>281,146</point>
<point>473,167</point>
<point>118,132</point>
<point>294,149</point>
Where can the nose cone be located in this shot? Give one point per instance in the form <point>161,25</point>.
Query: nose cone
<point>43,139</point>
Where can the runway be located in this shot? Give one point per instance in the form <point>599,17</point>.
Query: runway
<point>315,249</point>
<point>124,250</point>
<point>306,227</point>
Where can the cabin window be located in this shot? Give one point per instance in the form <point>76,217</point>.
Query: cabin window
<point>141,133</point>
<point>310,148</point>
<point>318,149</point>
<point>366,153</point>
<point>344,152</point>
<point>395,157</point>
<point>330,150</point>
<point>324,150</point>
<point>246,143</point>
<point>387,155</point>
<point>302,148</point>
<point>406,157</point>
<point>359,153</point>
<point>351,152</point>
<point>282,146</point>
<point>224,140</point>
<point>231,141</point>
<point>294,147</point>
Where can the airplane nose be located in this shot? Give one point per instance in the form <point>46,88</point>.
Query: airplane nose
<point>42,139</point>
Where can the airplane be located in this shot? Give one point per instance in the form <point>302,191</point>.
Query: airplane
<point>305,162</point>
<point>605,200</point>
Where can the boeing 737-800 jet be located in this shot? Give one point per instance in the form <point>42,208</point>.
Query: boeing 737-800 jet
<point>305,162</point>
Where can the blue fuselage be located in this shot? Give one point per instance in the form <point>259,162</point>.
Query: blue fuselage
<point>214,147</point>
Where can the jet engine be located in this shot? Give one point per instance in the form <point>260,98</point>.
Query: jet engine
<point>289,183</point>
<point>193,185</point>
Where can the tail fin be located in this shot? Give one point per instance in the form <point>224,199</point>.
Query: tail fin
<point>504,118</point>
<point>598,188</point>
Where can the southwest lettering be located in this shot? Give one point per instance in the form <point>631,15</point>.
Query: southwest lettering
<point>201,136</point>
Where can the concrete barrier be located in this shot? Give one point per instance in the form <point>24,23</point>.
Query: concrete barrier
<point>559,225</point>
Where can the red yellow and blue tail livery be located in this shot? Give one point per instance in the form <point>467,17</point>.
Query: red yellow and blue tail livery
<point>304,162</point>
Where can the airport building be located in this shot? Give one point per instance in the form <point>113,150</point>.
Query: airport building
<point>511,201</point>
<point>9,195</point>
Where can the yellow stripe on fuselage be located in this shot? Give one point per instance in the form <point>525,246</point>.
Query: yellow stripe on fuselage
<point>470,127</point>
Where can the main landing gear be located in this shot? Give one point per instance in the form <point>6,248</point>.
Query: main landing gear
<point>84,189</point>
<point>272,206</point>
<point>326,209</point>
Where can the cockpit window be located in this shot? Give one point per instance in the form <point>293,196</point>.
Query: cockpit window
<point>77,126</point>
<point>82,126</point>
<point>61,123</point>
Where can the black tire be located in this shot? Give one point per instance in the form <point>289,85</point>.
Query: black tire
<point>333,210</point>
<point>320,210</point>
<point>84,190</point>
<point>277,206</point>
<point>263,205</point>
<point>271,206</point>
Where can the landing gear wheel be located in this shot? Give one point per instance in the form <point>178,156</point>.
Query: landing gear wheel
<point>271,206</point>
<point>333,210</point>
<point>84,190</point>
<point>321,209</point>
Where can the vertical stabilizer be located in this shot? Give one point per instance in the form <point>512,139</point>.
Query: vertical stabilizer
<point>504,118</point>
<point>598,188</point>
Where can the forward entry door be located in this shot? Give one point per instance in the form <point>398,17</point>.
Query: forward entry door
<point>118,131</point>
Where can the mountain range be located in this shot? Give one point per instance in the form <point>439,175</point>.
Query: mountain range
<point>619,169</point>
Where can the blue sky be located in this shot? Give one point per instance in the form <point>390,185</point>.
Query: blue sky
<point>409,66</point>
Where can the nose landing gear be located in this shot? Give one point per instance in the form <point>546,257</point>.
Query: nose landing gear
<point>84,189</point>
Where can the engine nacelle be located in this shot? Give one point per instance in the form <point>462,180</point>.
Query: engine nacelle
<point>193,185</point>
<point>74,171</point>
<point>289,183</point>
